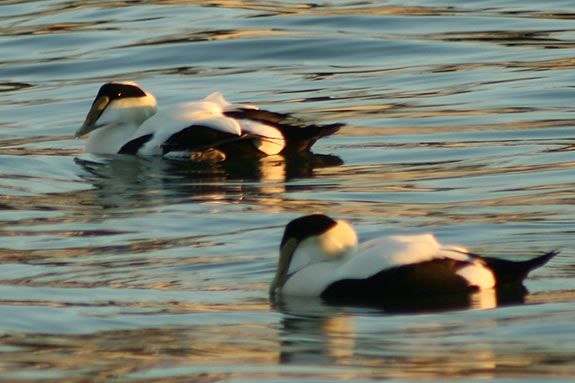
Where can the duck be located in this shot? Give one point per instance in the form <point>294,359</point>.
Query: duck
<point>321,257</point>
<point>124,119</point>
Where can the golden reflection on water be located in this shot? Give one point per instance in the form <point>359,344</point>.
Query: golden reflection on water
<point>305,344</point>
<point>391,353</point>
<point>273,7</point>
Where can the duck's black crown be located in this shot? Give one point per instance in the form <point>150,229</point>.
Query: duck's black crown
<point>307,226</point>
<point>116,90</point>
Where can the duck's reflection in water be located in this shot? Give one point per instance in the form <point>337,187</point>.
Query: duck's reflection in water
<point>127,180</point>
<point>314,333</point>
<point>423,341</point>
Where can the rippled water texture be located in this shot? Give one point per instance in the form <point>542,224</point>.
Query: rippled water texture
<point>460,121</point>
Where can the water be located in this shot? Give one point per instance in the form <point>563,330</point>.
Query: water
<point>460,121</point>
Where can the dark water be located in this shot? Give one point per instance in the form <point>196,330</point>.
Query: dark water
<point>461,118</point>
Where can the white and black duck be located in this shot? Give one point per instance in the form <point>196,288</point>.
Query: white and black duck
<point>320,257</point>
<point>124,119</point>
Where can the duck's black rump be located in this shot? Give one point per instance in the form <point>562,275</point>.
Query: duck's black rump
<point>299,135</point>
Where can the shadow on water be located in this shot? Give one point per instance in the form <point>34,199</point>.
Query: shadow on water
<point>315,333</point>
<point>124,176</point>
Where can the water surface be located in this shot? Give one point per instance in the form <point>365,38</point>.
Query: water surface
<point>460,122</point>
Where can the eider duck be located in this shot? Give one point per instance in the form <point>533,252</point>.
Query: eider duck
<point>320,257</point>
<point>124,119</point>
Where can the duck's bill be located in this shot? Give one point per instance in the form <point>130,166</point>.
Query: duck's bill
<point>94,114</point>
<point>281,277</point>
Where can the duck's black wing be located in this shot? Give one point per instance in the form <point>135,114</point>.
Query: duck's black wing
<point>203,139</point>
<point>194,138</point>
<point>197,138</point>
<point>413,283</point>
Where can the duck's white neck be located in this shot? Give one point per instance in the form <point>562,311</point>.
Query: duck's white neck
<point>109,139</point>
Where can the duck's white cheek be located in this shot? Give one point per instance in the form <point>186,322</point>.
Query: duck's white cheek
<point>337,241</point>
<point>307,252</point>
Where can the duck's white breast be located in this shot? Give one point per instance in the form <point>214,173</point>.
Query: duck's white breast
<point>311,280</point>
<point>109,139</point>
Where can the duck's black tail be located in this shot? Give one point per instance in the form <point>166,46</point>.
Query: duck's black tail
<point>299,135</point>
<point>512,273</point>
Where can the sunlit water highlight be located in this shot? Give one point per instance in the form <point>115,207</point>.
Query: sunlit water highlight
<point>460,122</point>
